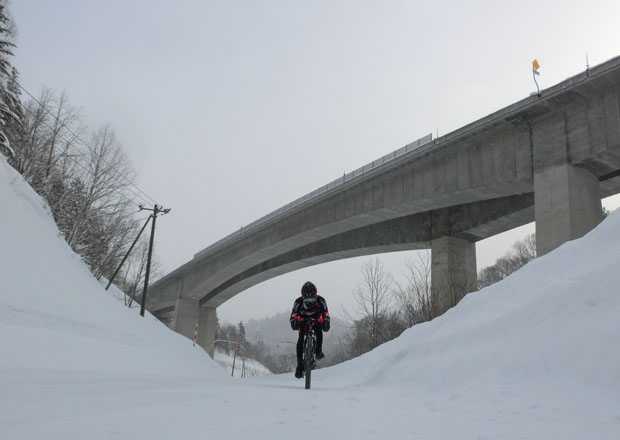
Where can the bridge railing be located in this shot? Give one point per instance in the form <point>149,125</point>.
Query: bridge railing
<point>358,173</point>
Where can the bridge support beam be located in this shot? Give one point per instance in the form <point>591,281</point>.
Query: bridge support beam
<point>188,314</point>
<point>206,329</point>
<point>567,205</point>
<point>453,272</point>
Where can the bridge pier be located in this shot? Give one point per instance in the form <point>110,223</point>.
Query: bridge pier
<point>186,316</point>
<point>453,272</point>
<point>188,313</point>
<point>567,205</point>
<point>207,327</point>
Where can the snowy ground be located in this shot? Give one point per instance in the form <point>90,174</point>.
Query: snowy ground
<point>536,356</point>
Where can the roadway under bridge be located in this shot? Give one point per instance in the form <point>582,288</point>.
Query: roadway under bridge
<point>548,158</point>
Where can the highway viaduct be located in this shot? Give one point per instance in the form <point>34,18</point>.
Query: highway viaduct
<point>548,158</point>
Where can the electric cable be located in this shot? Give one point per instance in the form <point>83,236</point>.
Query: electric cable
<point>140,194</point>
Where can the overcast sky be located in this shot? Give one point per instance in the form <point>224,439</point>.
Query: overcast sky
<point>232,109</point>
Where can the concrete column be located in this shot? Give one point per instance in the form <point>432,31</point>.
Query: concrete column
<point>207,327</point>
<point>186,317</point>
<point>453,272</point>
<point>567,205</point>
<point>188,313</point>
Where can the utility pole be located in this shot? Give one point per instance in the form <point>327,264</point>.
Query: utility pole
<point>128,252</point>
<point>156,210</point>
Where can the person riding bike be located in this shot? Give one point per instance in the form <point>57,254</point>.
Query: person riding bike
<point>309,305</point>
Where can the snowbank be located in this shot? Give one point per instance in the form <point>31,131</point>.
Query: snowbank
<point>555,320</point>
<point>55,315</point>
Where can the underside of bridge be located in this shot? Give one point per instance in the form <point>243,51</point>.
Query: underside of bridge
<point>470,222</point>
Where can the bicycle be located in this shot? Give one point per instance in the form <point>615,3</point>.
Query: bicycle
<point>309,362</point>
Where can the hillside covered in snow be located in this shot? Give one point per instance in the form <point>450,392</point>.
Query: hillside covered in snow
<point>536,356</point>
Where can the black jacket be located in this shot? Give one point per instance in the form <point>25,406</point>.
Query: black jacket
<point>312,307</point>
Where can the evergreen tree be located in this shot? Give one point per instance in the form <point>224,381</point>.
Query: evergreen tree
<point>10,107</point>
<point>241,332</point>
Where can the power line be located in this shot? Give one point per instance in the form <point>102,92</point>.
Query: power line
<point>129,185</point>
<point>76,136</point>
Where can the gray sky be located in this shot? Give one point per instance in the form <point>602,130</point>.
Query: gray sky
<point>231,109</point>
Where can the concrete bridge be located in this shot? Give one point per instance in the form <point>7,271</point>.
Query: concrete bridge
<point>549,158</point>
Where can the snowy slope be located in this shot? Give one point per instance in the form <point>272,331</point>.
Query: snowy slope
<point>536,356</point>
<point>555,320</point>
<point>55,315</point>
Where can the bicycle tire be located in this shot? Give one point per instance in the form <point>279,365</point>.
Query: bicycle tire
<point>308,359</point>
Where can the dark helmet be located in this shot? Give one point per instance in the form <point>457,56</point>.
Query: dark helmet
<point>308,290</point>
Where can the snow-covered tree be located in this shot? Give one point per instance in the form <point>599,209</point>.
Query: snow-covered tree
<point>46,144</point>
<point>106,173</point>
<point>241,332</point>
<point>9,94</point>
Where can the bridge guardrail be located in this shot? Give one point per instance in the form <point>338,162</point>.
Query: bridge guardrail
<point>340,181</point>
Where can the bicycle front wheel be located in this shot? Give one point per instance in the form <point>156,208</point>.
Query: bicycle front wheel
<point>308,360</point>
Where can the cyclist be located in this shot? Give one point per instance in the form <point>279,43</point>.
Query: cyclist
<point>309,305</point>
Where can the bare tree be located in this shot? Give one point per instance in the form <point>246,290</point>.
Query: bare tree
<point>108,174</point>
<point>521,253</point>
<point>116,232</point>
<point>46,146</point>
<point>525,249</point>
<point>134,271</point>
<point>372,297</point>
<point>63,131</point>
<point>413,300</point>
